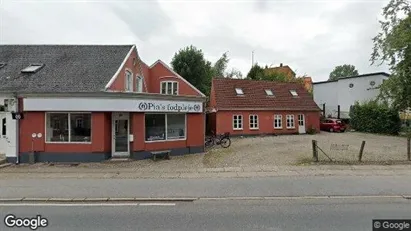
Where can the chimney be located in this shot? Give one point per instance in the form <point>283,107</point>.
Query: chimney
<point>281,64</point>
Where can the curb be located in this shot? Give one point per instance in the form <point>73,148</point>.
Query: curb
<point>90,199</point>
<point>190,199</point>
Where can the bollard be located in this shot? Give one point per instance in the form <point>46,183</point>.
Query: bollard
<point>315,151</point>
<point>361,151</point>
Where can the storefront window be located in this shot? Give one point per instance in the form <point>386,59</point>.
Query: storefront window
<point>80,125</point>
<point>155,127</point>
<point>176,124</point>
<point>165,126</point>
<point>68,127</point>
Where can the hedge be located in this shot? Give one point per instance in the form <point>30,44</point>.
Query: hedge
<point>374,117</point>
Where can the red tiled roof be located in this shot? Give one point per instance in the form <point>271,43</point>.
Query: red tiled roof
<point>256,98</point>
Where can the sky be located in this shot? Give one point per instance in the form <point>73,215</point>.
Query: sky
<point>312,37</point>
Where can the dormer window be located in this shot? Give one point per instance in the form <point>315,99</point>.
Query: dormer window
<point>269,92</point>
<point>169,87</point>
<point>294,93</point>
<point>239,91</point>
<point>33,68</point>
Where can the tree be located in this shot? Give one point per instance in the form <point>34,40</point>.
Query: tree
<point>220,66</point>
<point>341,71</point>
<point>393,45</point>
<point>275,76</point>
<point>234,73</point>
<point>256,73</point>
<point>190,63</point>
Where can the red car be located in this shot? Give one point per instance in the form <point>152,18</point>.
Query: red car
<point>332,125</point>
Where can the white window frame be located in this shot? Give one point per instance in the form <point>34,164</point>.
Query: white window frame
<point>139,83</point>
<point>165,140</point>
<point>251,121</point>
<point>292,121</point>
<point>280,119</point>
<point>172,87</point>
<point>294,93</point>
<point>128,82</point>
<point>32,68</point>
<point>237,118</point>
<point>239,91</point>
<point>69,128</point>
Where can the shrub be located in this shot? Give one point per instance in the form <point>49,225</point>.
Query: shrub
<point>374,117</point>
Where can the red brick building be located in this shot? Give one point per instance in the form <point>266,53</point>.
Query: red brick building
<point>251,107</point>
<point>84,103</point>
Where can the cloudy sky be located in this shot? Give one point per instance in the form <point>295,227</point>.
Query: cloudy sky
<point>310,36</point>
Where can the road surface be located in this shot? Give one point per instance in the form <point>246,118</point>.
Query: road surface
<point>207,187</point>
<point>278,215</point>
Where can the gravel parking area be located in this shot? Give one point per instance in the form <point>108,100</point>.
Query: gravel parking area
<point>269,151</point>
<point>297,149</point>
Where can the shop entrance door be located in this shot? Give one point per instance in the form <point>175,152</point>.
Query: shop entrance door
<point>120,135</point>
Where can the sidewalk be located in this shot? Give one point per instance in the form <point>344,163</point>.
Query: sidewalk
<point>58,171</point>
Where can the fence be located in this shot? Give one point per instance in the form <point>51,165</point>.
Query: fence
<point>361,152</point>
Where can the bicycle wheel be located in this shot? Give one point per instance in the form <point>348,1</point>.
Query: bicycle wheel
<point>225,142</point>
<point>208,143</point>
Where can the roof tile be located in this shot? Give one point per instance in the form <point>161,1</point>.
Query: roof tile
<point>255,96</point>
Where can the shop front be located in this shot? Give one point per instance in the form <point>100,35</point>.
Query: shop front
<point>97,128</point>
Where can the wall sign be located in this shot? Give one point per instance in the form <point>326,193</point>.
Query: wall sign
<point>168,107</point>
<point>115,105</point>
<point>17,115</point>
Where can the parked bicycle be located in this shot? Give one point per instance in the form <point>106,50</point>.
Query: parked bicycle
<point>223,140</point>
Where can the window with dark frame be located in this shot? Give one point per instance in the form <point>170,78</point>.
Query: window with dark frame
<point>165,127</point>
<point>68,127</point>
<point>290,121</point>
<point>253,121</point>
<point>169,87</point>
<point>237,122</point>
<point>278,121</point>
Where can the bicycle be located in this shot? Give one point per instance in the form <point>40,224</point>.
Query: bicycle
<point>223,140</point>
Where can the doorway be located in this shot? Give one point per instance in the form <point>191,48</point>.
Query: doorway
<point>120,135</point>
<point>301,124</point>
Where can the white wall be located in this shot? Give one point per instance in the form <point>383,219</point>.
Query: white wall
<point>326,93</point>
<point>361,91</point>
<point>9,141</point>
<point>339,93</point>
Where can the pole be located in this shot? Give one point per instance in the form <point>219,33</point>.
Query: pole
<point>361,151</point>
<point>252,59</point>
<point>339,112</point>
<point>315,152</point>
<point>408,148</point>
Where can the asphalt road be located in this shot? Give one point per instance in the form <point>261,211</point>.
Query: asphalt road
<point>278,215</point>
<point>208,187</point>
